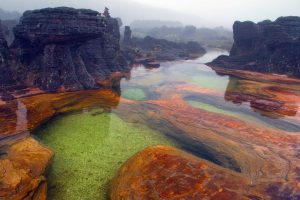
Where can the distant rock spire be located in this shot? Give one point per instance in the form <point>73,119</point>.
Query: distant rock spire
<point>106,12</point>
<point>127,35</point>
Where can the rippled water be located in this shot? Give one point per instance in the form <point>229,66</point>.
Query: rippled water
<point>90,145</point>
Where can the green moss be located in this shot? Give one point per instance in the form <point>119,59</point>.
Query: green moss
<point>89,149</point>
<point>134,94</point>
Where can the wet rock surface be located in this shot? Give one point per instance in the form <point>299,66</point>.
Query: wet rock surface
<point>162,172</point>
<point>268,157</point>
<point>267,46</point>
<point>21,170</point>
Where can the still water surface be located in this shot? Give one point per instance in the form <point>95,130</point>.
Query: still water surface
<point>91,145</point>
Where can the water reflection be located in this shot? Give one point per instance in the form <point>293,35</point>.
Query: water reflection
<point>21,114</point>
<point>269,99</point>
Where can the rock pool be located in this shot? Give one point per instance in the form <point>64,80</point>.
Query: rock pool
<point>234,121</point>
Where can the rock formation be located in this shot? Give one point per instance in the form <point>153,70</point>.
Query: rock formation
<point>150,51</point>
<point>164,50</point>
<point>22,170</point>
<point>66,49</point>
<point>267,46</point>
<point>162,172</point>
<point>5,72</point>
<point>8,26</point>
<point>127,36</point>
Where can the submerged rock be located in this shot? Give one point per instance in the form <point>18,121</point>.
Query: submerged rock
<point>66,49</point>
<point>162,172</point>
<point>267,46</point>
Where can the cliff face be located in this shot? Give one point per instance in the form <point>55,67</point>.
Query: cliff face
<point>5,72</point>
<point>7,28</point>
<point>266,47</point>
<point>66,49</point>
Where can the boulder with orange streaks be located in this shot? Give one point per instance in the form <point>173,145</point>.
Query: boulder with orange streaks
<point>22,168</point>
<point>162,172</point>
<point>265,156</point>
<point>25,114</point>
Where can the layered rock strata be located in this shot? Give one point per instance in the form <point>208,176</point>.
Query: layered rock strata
<point>162,172</point>
<point>267,46</point>
<point>65,49</point>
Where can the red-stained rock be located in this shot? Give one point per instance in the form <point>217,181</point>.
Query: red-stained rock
<point>266,156</point>
<point>22,166</point>
<point>25,114</point>
<point>22,159</point>
<point>163,172</point>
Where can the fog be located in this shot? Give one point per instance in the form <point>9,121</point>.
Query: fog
<point>208,13</point>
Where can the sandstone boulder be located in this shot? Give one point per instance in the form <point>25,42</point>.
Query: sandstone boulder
<point>22,168</point>
<point>163,172</point>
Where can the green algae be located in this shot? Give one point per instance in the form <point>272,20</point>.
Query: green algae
<point>89,149</point>
<point>134,94</point>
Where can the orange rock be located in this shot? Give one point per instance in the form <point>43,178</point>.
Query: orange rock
<point>163,172</point>
<point>269,158</point>
<point>23,160</point>
<point>21,170</point>
<point>27,113</point>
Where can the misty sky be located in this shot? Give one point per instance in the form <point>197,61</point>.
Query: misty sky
<point>208,13</point>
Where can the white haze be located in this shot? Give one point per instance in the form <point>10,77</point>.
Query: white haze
<point>209,13</point>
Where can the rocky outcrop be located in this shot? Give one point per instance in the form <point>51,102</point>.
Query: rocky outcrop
<point>267,46</point>
<point>5,71</point>
<point>8,26</point>
<point>150,51</point>
<point>22,168</point>
<point>66,49</point>
<point>164,50</point>
<point>162,172</point>
<point>127,36</point>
